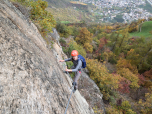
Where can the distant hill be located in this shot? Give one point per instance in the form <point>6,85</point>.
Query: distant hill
<point>146,28</point>
<point>69,12</point>
<point>58,3</point>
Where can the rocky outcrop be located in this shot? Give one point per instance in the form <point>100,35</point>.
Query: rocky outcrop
<point>31,79</point>
<point>91,92</point>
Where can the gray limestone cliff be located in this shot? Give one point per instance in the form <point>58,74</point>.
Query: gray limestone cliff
<point>31,78</point>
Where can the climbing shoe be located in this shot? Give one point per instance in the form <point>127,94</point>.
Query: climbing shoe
<point>75,88</point>
<point>74,83</point>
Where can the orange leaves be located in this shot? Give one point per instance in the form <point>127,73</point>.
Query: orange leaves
<point>124,86</point>
<point>148,74</point>
<point>102,43</point>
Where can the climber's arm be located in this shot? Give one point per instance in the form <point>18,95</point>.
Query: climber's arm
<point>77,67</point>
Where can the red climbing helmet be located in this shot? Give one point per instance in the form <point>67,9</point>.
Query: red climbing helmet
<point>74,53</point>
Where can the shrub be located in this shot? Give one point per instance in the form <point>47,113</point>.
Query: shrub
<point>105,81</point>
<point>145,105</point>
<point>62,42</point>
<point>112,110</point>
<point>74,46</point>
<point>129,111</point>
<point>112,100</point>
<point>125,105</point>
<point>40,15</point>
<point>84,39</point>
<point>126,73</point>
<point>97,111</point>
<point>63,30</point>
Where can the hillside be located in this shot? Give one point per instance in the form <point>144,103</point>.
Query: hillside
<point>68,15</point>
<point>58,3</point>
<point>146,28</point>
<point>66,12</point>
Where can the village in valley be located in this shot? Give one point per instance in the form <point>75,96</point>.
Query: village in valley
<point>124,11</point>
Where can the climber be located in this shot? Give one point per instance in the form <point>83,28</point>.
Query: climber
<point>77,67</point>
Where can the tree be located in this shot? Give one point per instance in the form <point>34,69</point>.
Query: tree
<point>102,43</point>
<point>128,71</point>
<point>115,39</point>
<point>88,47</point>
<point>63,30</point>
<point>133,78</point>
<point>133,27</point>
<point>133,57</point>
<point>74,46</point>
<point>148,74</point>
<point>84,39</point>
<point>40,15</point>
<point>119,42</point>
<point>145,106</point>
<point>105,81</point>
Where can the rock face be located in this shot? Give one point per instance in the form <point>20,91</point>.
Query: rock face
<point>31,79</point>
<point>91,92</point>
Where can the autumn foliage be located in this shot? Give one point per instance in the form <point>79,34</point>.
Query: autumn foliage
<point>84,39</point>
<point>148,74</point>
<point>105,81</point>
<point>41,16</point>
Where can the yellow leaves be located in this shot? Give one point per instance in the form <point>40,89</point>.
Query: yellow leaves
<point>112,110</point>
<point>132,56</point>
<point>38,13</point>
<point>123,63</point>
<point>97,111</point>
<point>126,73</point>
<point>147,104</point>
<point>85,38</point>
<point>99,73</point>
<point>110,27</point>
<point>88,47</point>
<point>108,54</point>
<point>125,105</point>
<point>129,111</point>
<point>140,101</point>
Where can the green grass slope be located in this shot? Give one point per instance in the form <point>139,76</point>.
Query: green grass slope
<point>145,30</point>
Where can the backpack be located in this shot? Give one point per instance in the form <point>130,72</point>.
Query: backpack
<point>83,61</point>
